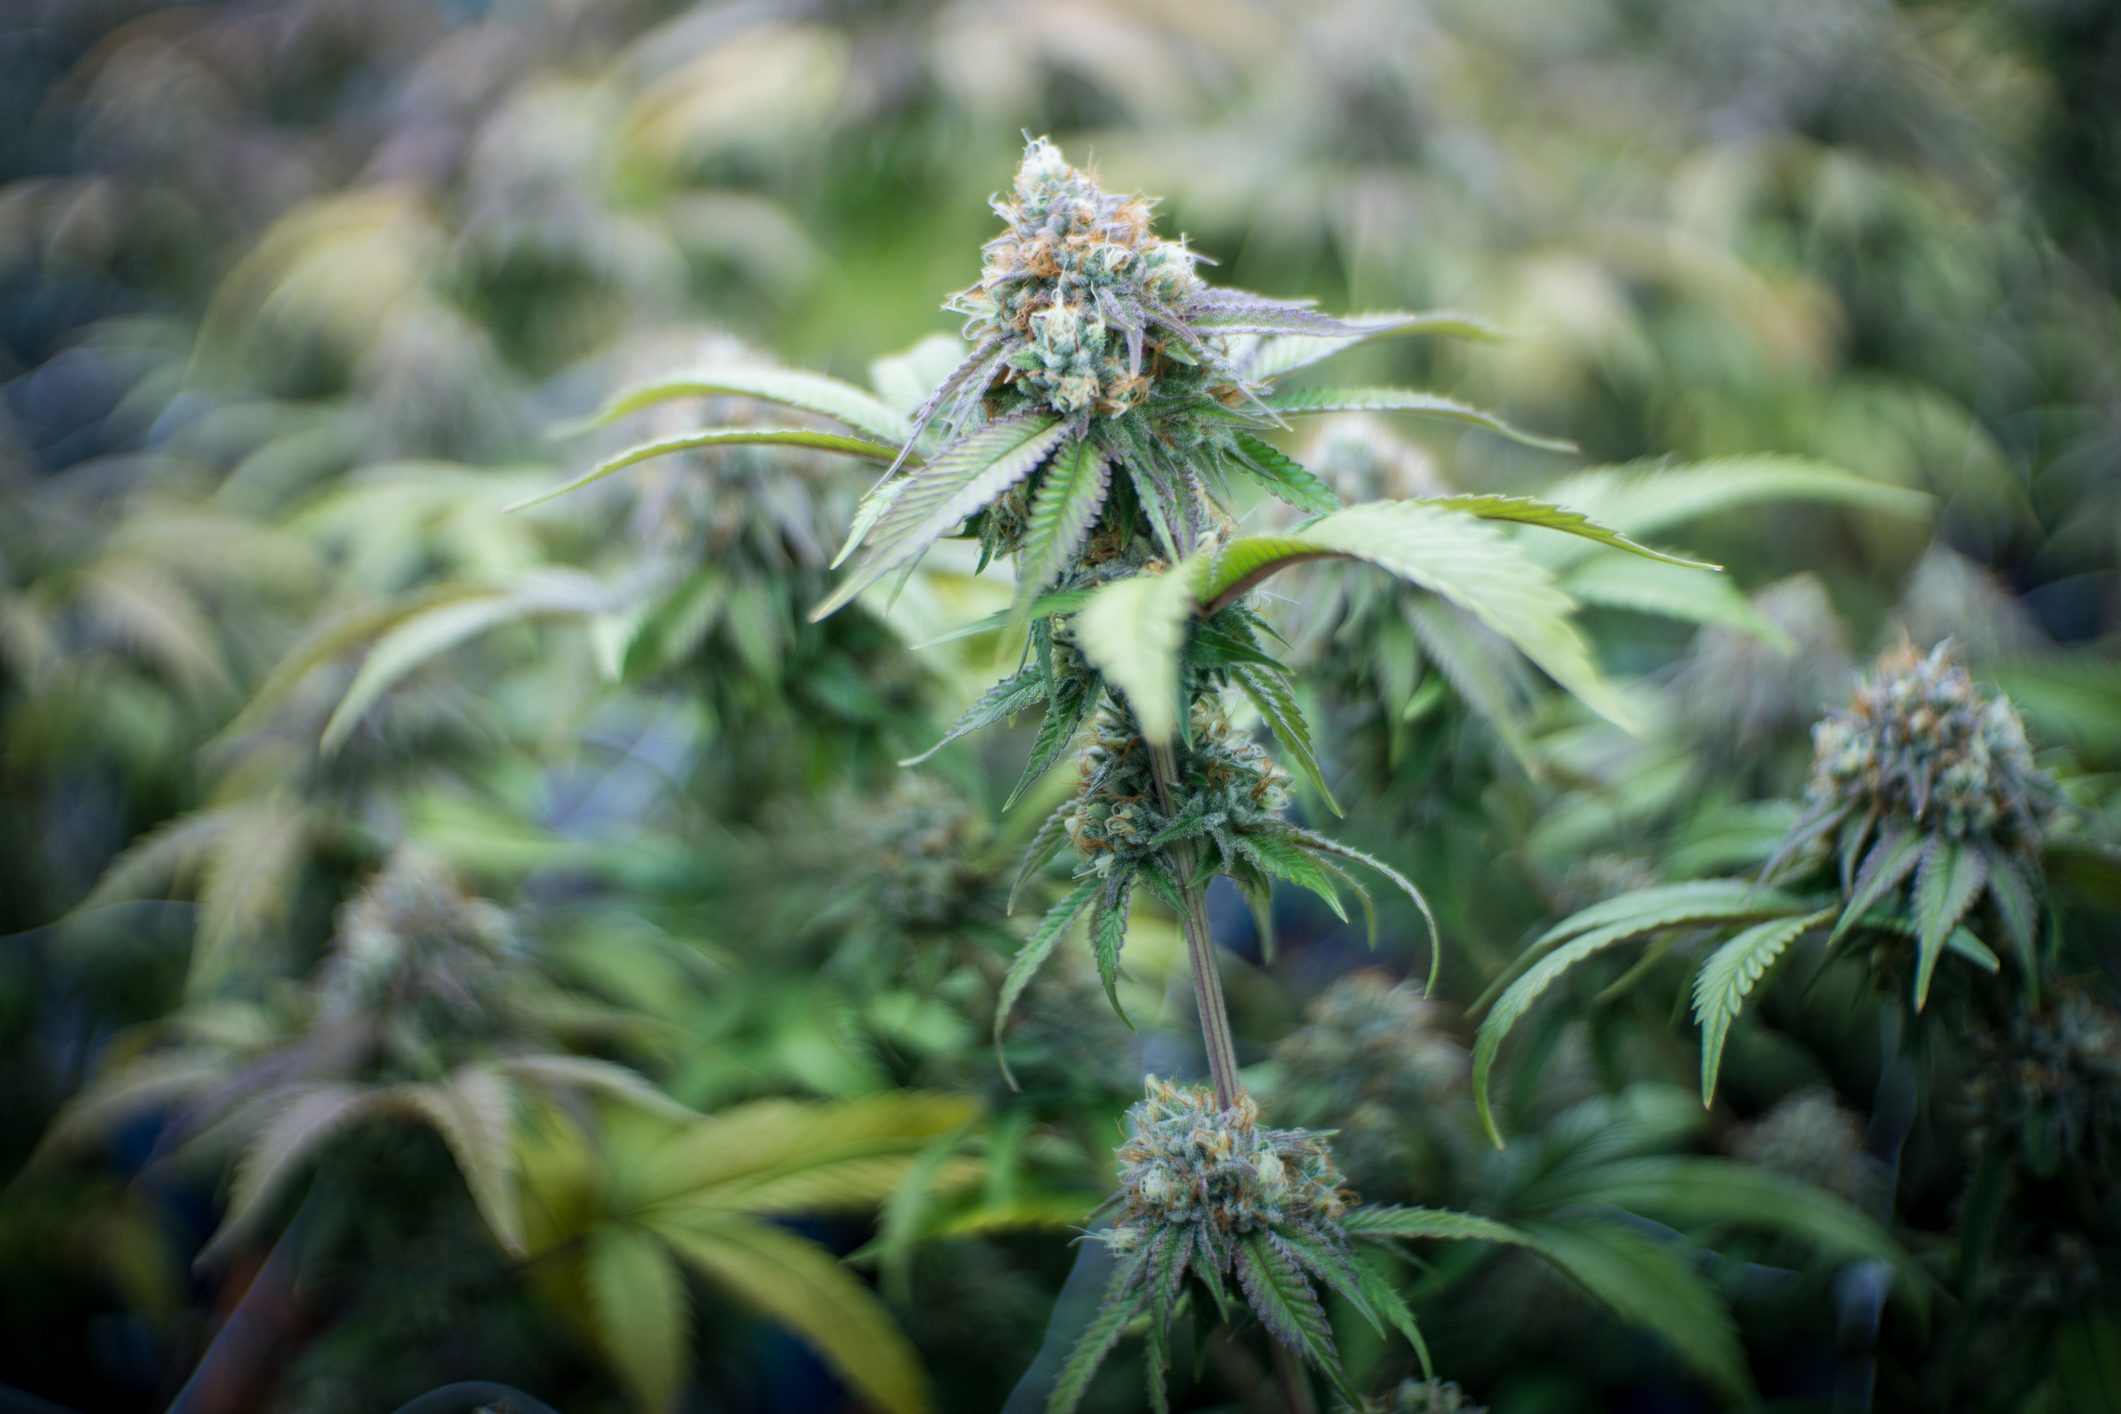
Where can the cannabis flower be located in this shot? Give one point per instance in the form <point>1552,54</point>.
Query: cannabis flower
<point>1380,1039</point>
<point>1188,1165</point>
<point>1073,286</point>
<point>1808,1135</point>
<point>1425,1397</point>
<point>1920,741</point>
<point>414,943</point>
<point>2051,1089</point>
<point>1227,785</point>
<point>1945,778</point>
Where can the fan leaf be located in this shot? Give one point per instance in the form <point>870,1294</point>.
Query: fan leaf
<point>799,1284</point>
<point>1406,400</point>
<point>1730,975</point>
<point>1133,630</point>
<point>811,392</point>
<point>1947,882</point>
<point>643,1316</point>
<point>719,437</point>
<point>1069,499</point>
<point>962,479</point>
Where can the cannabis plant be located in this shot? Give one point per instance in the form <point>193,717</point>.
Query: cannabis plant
<point>1109,399</point>
<point>1924,802</point>
<point>429,1009</point>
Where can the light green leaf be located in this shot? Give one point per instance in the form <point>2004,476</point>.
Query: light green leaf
<point>1285,859</point>
<point>1643,499</point>
<point>874,503</point>
<point>1946,885</point>
<point>1281,1297</point>
<point>562,1073</point>
<point>1067,505</point>
<point>1108,934</point>
<point>1285,353</point>
<point>812,392</point>
<point>1730,975</point>
<point>2014,905</point>
<point>1285,476</point>
<point>1692,1190</point>
<point>1473,660</point>
<point>906,380</point>
<point>1056,729</point>
<point>1660,905</point>
<point>1517,999</point>
<point>1891,859</point>
<point>1132,631</point>
<point>1691,595</point>
<point>643,1316</point>
<point>1527,510</point>
<point>247,885</point>
<point>799,1284</point>
<point>1653,1287</point>
<point>783,1155</point>
<point>720,437</point>
<point>1065,602</point>
<point>1973,950</point>
<point>1449,553</point>
<point>435,631</point>
<point>1005,699</point>
<point>1406,400</point>
<point>962,480</point>
<point>339,635</point>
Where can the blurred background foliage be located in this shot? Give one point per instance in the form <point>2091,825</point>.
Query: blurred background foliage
<point>558,865</point>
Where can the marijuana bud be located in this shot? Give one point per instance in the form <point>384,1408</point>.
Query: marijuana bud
<point>1216,1173</point>
<point>1809,1136</point>
<point>1424,1397</point>
<point>1374,1061</point>
<point>1945,778</point>
<point>413,941</point>
<point>1369,1038</point>
<point>1739,693</point>
<point>2050,1089</point>
<point>1071,285</point>
<point>1227,786</point>
<point>1920,742</point>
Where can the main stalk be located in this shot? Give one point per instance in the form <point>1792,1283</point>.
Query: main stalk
<point>1215,1031</point>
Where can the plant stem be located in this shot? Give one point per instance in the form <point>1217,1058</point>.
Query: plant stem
<point>1200,953</point>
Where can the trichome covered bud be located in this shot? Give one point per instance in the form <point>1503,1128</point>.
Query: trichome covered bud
<point>1920,742</point>
<point>1186,1162</point>
<point>1226,782</point>
<point>1072,284</point>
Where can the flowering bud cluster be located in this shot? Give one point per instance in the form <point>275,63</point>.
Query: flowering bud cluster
<point>2051,1090</point>
<point>1071,284</point>
<point>1920,741</point>
<point>1425,1397</point>
<point>413,939</point>
<point>1809,1136</point>
<point>1116,810</point>
<point>1187,1163</point>
<point>1371,1039</point>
